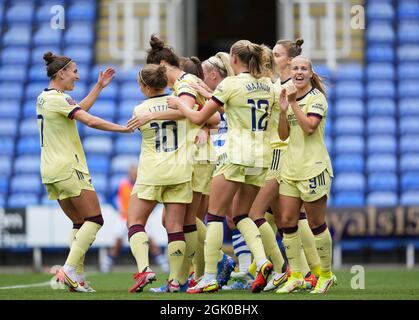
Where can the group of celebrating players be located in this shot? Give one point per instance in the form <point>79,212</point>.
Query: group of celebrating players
<point>272,175</point>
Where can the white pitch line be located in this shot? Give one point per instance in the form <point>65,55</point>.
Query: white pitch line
<point>22,286</point>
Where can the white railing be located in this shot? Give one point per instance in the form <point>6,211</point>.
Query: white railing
<point>137,30</point>
<point>320,34</point>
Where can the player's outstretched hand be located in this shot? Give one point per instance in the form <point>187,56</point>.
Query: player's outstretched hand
<point>291,93</point>
<point>283,103</point>
<point>105,77</point>
<point>137,121</point>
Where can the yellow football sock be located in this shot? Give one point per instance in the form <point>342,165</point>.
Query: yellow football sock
<point>176,252</point>
<point>271,246</point>
<point>83,240</point>
<point>199,260</point>
<point>252,237</point>
<point>213,245</point>
<point>309,246</point>
<point>293,249</point>
<point>304,264</point>
<point>191,239</point>
<point>140,249</point>
<point>269,217</point>
<point>324,248</point>
<point>253,268</point>
<point>80,264</point>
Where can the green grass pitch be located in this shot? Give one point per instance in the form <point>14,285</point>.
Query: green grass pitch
<point>379,284</point>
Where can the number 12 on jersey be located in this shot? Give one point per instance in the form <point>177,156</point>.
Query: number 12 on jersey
<point>260,124</point>
<point>161,135</point>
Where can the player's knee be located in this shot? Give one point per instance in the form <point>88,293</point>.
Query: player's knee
<point>96,219</point>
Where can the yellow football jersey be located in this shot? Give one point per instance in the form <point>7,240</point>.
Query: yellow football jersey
<point>182,86</point>
<point>307,155</point>
<point>276,142</point>
<point>61,148</point>
<point>165,151</point>
<point>247,103</point>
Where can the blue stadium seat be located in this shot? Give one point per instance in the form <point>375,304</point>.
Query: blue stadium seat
<point>350,71</point>
<point>20,13</point>
<point>83,54</point>
<point>324,71</point>
<point>38,73</point>
<point>29,127</point>
<point>408,9</point>
<point>381,125</point>
<point>327,140</point>
<point>104,109</point>
<point>348,126</point>
<point>80,90</point>
<point>100,182</point>
<point>408,52</point>
<point>409,162</point>
<point>408,71</point>
<point>5,165</point>
<point>130,75</point>
<point>17,36</point>
<point>128,145</point>
<point>13,73</point>
<point>409,89</point>
<point>410,181</point>
<point>380,32</point>
<point>380,53</point>
<point>409,143</point>
<point>349,199</point>
<point>131,91</point>
<point>382,199</point>
<point>409,198</point>
<point>11,90</point>
<point>409,125</point>
<point>33,90</point>
<point>381,89</point>
<point>98,145</point>
<point>2,196</point>
<point>349,107</point>
<point>45,36</point>
<point>28,145</point>
<point>79,34</point>
<point>8,127</point>
<point>380,11</point>
<point>81,12</point>
<point>26,183</point>
<point>27,164</point>
<point>380,71</point>
<point>126,107</point>
<point>115,181</point>
<point>7,146</point>
<point>46,202</point>
<point>121,163</point>
<point>381,107</point>
<point>348,163</point>
<point>408,31</point>
<point>37,54</point>
<point>349,182</point>
<point>110,92</point>
<point>408,107</point>
<point>14,55</point>
<point>95,70</point>
<point>22,200</point>
<point>382,144</point>
<point>43,13</point>
<point>10,109</point>
<point>350,89</point>
<point>4,184</point>
<point>382,163</point>
<point>98,163</point>
<point>382,182</point>
<point>349,144</point>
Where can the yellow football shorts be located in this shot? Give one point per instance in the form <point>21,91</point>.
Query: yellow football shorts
<point>249,175</point>
<point>70,187</point>
<point>307,190</point>
<point>201,177</point>
<point>175,193</point>
<point>274,171</point>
